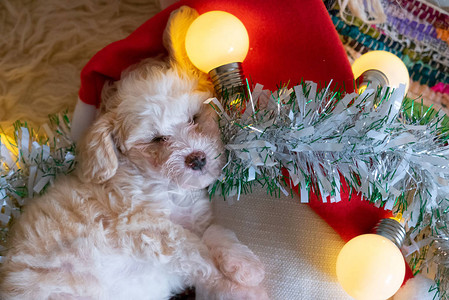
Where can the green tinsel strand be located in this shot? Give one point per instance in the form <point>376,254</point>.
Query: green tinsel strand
<point>28,169</point>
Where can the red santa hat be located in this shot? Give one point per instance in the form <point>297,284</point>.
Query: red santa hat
<point>289,41</point>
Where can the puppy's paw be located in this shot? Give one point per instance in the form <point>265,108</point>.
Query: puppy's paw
<point>235,260</point>
<point>239,264</point>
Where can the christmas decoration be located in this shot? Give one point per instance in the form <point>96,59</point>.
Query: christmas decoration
<point>217,43</point>
<point>371,266</point>
<point>380,68</point>
<point>389,151</point>
<point>30,161</point>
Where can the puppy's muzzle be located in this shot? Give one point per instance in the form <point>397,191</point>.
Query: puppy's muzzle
<point>196,160</point>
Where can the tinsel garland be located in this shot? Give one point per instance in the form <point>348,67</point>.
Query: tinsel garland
<point>30,160</point>
<point>392,152</point>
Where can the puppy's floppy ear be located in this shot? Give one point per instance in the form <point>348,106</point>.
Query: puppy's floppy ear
<point>97,158</point>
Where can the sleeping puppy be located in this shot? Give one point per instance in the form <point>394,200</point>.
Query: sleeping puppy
<point>134,221</point>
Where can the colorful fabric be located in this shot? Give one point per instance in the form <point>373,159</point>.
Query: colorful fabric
<point>414,31</point>
<point>441,88</point>
<point>443,34</point>
<point>421,65</point>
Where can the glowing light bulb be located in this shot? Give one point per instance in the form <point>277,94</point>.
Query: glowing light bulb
<point>380,68</point>
<point>371,266</point>
<point>216,38</point>
<point>216,43</point>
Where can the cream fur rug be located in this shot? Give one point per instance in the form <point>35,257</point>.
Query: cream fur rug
<point>44,44</point>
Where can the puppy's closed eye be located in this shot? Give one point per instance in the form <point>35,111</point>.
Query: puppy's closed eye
<point>195,118</point>
<point>154,143</point>
<point>159,139</point>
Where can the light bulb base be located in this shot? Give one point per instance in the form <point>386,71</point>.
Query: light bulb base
<point>392,230</point>
<point>372,78</point>
<point>228,79</point>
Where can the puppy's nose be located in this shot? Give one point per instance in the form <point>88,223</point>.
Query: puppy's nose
<point>196,160</point>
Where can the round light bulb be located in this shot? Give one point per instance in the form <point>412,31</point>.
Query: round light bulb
<point>387,63</point>
<point>216,38</point>
<point>370,267</point>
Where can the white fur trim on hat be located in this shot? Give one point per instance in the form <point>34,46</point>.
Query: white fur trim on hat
<point>417,288</point>
<point>83,117</point>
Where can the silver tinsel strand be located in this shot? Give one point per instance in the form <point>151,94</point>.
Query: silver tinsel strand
<point>393,153</point>
<point>30,160</point>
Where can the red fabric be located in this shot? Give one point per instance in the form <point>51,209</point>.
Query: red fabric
<point>350,217</point>
<point>289,41</point>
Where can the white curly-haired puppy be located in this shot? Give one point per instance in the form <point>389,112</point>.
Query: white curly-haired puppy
<point>133,221</point>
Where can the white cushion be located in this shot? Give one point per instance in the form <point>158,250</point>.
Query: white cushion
<point>298,248</point>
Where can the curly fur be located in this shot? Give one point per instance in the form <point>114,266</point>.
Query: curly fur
<point>134,220</point>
